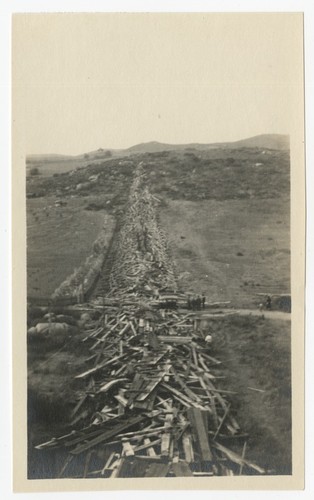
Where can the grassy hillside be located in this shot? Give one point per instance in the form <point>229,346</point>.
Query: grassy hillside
<point>256,355</point>
<point>58,240</point>
<point>60,163</point>
<point>226,213</point>
<point>231,250</point>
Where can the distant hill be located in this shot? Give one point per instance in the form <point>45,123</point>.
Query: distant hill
<point>266,141</point>
<point>57,158</point>
<point>47,158</point>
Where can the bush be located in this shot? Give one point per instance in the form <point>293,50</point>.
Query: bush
<point>34,171</point>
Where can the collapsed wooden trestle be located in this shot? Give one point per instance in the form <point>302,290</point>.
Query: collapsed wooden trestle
<point>148,402</point>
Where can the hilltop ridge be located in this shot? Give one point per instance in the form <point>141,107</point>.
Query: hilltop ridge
<point>266,141</point>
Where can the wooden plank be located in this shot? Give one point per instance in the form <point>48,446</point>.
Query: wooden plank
<point>128,450</point>
<point>223,404</point>
<point>211,401</point>
<point>157,470</point>
<point>112,383</point>
<point>182,396</point>
<point>242,456</point>
<point>87,462</point>
<point>165,444</point>
<point>188,391</point>
<point>174,340</point>
<point>78,406</point>
<point>124,329</point>
<point>222,421</point>
<point>197,423</point>
<point>122,400</point>
<point>107,464</point>
<point>117,468</point>
<point>103,338</point>
<point>149,446</point>
<point>188,447</point>
<point>149,431</point>
<point>153,341</point>
<point>194,356</point>
<point>137,383</point>
<point>234,457</point>
<point>107,435</point>
<point>148,403</point>
<point>133,328</point>
<point>101,366</point>
<point>210,358</point>
<point>150,387</point>
<point>181,469</point>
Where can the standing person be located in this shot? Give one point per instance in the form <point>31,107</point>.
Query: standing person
<point>193,303</point>
<point>268,302</point>
<point>208,339</point>
<point>199,302</point>
<point>203,300</point>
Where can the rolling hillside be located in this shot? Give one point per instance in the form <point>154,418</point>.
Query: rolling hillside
<point>265,141</point>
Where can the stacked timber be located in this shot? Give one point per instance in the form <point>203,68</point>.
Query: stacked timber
<point>149,404</point>
<point>141,258</point>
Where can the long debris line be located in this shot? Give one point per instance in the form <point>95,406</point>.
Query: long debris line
<point>148,403</point>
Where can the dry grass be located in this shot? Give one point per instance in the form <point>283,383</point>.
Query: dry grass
<point>233,249</point>
<point>60,241</point>
<point>256,354</point>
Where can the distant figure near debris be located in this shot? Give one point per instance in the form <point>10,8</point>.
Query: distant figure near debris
<point>268,302</point>
<point>193,303</point>
<point>198,303</point>
<point>208,339</point>
<point>203,300</point>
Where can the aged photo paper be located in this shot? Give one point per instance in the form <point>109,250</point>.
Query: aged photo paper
<point>158,204</point>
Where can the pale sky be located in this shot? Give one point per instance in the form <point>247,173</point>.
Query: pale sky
<point>85,81</point>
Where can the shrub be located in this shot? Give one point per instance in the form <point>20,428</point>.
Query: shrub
<point>34,171</point>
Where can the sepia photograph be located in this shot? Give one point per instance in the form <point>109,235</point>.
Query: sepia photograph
<point>159,163</point>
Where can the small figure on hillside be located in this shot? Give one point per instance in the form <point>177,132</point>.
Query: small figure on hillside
<point>268,302</point>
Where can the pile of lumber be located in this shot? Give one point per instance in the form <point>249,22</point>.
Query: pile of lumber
<point>148,403</point>
<point>141,259</point>
<point>148,400</point>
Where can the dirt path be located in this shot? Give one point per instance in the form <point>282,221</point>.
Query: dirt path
<point>256,312</point>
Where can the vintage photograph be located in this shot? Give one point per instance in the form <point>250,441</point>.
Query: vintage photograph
<point>158,175</point>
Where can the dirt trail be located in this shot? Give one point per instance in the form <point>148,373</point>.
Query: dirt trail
<point>276,315</point>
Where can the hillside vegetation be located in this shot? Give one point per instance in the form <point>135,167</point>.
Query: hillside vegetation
<point>226,213</point>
